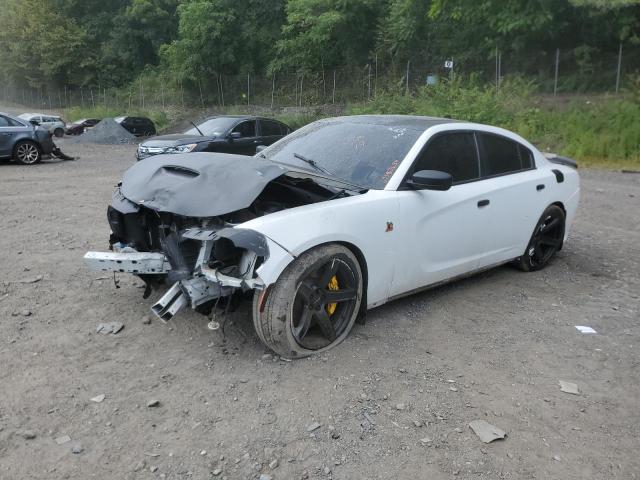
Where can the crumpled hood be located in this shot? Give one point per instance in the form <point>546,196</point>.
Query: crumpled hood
<point>198,184</point>
<point>174,140</point>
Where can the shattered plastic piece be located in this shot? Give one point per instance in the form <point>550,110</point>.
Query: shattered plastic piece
<point>583,329</point>
<point>568,387</point>
<point>313,426</point>
<point>486,432</point>
<point>63,439</point>
<point>113,328</point>
<point>98,398</point>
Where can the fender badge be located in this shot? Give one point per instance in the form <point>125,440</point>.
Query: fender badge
<point>389,227</point>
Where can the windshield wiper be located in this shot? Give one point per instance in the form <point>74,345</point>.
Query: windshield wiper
<point>196,127</point>
<point>313,163</point>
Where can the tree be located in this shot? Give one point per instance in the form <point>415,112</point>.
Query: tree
<point>327,33</point>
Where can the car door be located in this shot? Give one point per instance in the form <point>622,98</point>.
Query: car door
<point>442,233</point>
<point>6,137</point>
<point>244,138</point>
<point>270,132</point>
<point>516,192</point>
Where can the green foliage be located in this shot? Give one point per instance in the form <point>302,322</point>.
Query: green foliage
<point>600,133</point>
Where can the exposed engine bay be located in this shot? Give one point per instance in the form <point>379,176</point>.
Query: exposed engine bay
<point>200,249</point>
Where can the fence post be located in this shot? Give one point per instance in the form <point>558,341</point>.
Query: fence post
<point>93,103</point>
<point>369,83</point>
<point>248,87</point>
<point>162,92</point>
<point>334,87</point>
<point>182,95</point>
<point>375,83</point>
<point>273,87</point>
<point>407,77</point>
<point>555,81</point>
<point>201,97</point>
<point>619,69</point>
<point>301,83</point>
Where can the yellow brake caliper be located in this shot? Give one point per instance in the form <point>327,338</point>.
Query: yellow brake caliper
<point>333,285</point>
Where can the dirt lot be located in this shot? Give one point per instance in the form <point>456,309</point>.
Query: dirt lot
<point>491,347</point>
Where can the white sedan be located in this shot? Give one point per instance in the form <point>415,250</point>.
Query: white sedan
<point>337,218</point>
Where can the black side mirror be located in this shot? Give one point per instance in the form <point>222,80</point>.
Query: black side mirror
<point>259,148</point>
<point>430,180</point>
<point>235,135</point>
<point>35,123</point>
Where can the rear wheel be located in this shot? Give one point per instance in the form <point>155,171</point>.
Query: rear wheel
<point>58,132</point>
<point>313,305</point>
<point>26,152</point>
<point>545,242</point>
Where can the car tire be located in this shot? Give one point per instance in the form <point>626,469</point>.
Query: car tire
<point>545,241</point>
<point>297,318</point>
<point>58,132</point>
<point>27,152</point>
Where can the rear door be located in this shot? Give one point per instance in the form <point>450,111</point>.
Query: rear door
<point>516,192</point>
<point>6,137</point>
<point>442,232</point>
<point>271,131</point>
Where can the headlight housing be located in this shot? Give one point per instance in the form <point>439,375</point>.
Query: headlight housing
<point>182,148</point>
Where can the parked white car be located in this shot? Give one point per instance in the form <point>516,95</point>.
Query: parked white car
<point>54,124</point>
<point>339,217</point>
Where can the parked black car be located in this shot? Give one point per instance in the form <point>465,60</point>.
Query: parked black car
<point>80,126</point>
<point>226,134</point>
<point>23,142</point>
<point>139,126</point>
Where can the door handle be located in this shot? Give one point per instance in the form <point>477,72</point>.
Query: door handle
<point>540,187</point>
<point>483,203</point>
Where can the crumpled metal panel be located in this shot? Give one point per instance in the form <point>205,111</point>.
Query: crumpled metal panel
<point>198,184</point>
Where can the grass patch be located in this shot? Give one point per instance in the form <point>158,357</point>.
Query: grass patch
<point>603,132</point>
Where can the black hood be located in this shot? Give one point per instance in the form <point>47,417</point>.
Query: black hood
<point>175,139</point>
<point>199,184</point>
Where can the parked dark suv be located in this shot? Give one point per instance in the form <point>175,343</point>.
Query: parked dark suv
<point>228,134</point>
<point>23,142</point>
<point>139,126</point>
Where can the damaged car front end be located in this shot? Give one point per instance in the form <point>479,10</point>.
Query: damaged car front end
<point>178,223</point>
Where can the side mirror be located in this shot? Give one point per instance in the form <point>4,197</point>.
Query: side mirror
<point>235,136</point>
<point>430,180</point>
<point>259,148</point>
<point>35,123</point>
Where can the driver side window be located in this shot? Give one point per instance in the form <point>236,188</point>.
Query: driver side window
<point>246,129</point>
<point>453,153</point>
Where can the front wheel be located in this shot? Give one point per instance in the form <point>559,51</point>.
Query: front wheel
<point>545,241</point>
<point>58,132</point>
<point>26,153</point>
<point>313,305</point>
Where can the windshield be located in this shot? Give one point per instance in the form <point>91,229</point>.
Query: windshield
<point>364,154</point>
<point>213,126</point>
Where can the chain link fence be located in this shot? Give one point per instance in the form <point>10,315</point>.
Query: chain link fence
<point>579,70</point>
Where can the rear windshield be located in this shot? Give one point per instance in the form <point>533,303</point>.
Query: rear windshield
<point>361,153</point>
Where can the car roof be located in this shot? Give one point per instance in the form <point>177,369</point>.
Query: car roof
<point>38,115</point>
<point>242,117</point>
<point>413,122</point>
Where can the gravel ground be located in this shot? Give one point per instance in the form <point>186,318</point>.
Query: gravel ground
<point>393,401</point>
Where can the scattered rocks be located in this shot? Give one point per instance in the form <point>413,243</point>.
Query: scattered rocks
<point>153,403</point>
<point>153,469</point>
<point>400,406</point>
<point>274,464</point>
<point>417,423</point>
<point>267,356</point>
<point>557,458</point>
<point>203,452</point>
<point>216,472</point>
<point>146,320</point>
<point>141,465</point>
<point>28,434</point>
<point>26,312</point>
<point>265,476</point>
<point>426,440</point>
<point>98,398</point>
<point>77,448</point>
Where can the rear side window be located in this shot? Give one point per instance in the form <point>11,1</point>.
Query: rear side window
<point>501,155</point>
<point>270,129</point>
<point>453,153</point>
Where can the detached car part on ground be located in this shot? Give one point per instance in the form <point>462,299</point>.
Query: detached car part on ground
<point>339,217</point>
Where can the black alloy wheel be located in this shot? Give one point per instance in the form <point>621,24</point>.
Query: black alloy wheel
<point>546,240</point>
